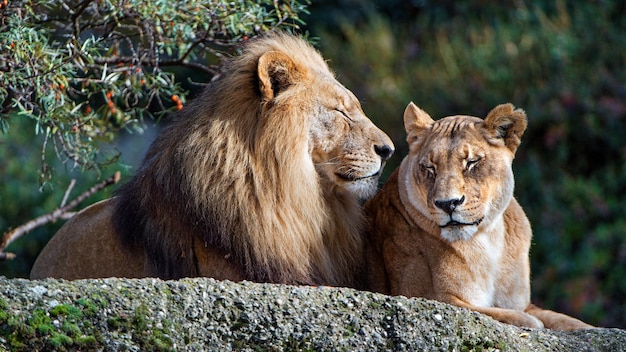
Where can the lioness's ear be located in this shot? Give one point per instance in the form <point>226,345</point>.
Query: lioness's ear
<point>508,123</point>
<point>276,72</point>
<point>416,120</point>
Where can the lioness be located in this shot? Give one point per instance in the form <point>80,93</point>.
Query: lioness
<point>260,178</point>
<point>446,226</point>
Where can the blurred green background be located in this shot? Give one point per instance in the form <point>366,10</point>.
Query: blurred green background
<point>563,62</point>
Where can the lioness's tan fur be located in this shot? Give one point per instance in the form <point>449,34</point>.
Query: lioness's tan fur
<point>446,226</point>
<point>260,178</point>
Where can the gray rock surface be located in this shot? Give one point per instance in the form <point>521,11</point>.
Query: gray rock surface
<point>210,315</point>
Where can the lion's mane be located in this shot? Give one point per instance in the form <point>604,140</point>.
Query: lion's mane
<point>232,171</point>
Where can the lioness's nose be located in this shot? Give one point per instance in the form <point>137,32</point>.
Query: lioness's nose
<point>385,151</point>
<point>449,205</point>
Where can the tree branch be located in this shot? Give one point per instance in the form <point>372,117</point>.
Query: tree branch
<point>63,212</point>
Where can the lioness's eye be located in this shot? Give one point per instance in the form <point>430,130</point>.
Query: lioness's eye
<point>470,163</point>
<point>428,170</point>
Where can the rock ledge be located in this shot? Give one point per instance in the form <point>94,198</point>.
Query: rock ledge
<point>205,314</point>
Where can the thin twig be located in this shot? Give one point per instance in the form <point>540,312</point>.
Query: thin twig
<point>68,191</point>
<point>63,212</point>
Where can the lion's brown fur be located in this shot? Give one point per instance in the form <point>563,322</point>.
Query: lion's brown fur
<point>445,226</point>
<point>231,181</point>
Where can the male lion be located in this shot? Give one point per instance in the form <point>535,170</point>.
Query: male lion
<point>446,226</point>
<point>260,178</point>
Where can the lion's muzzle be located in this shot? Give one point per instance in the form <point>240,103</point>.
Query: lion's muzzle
<point>385,151</point>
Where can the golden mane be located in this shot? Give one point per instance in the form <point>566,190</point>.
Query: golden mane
<point>233,171</point>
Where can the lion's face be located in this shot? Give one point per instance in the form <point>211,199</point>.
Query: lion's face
<point>458,172</point>
<point>348,150</point>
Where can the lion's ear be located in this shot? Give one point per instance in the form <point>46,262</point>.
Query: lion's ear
<point>507,123</point>
<point>416,120</point>
<point>276,72</point>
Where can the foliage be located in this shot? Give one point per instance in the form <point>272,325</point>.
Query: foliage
<point>22,200</point>
<point>83,70</point>
<point>562,62</point>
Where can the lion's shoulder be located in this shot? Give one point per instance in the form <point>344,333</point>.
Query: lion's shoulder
<point>90,235</point>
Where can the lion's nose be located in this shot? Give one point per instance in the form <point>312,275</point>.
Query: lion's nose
<point>449,205</point>
<point>384,151</point>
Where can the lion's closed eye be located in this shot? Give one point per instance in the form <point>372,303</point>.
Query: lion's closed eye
<point>344,114</point>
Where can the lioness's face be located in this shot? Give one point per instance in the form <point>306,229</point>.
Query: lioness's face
<point>459,173</point>
<point>348,150</point>
<point>466,181</point>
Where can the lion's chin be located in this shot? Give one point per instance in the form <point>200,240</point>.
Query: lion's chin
<point>362,188</point>
<point>453,233</point>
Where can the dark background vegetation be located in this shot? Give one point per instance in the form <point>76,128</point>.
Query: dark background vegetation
<point>563,62</point>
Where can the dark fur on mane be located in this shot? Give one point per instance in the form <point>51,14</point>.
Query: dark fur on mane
<point>154,211</point>
<point>153,214</point>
